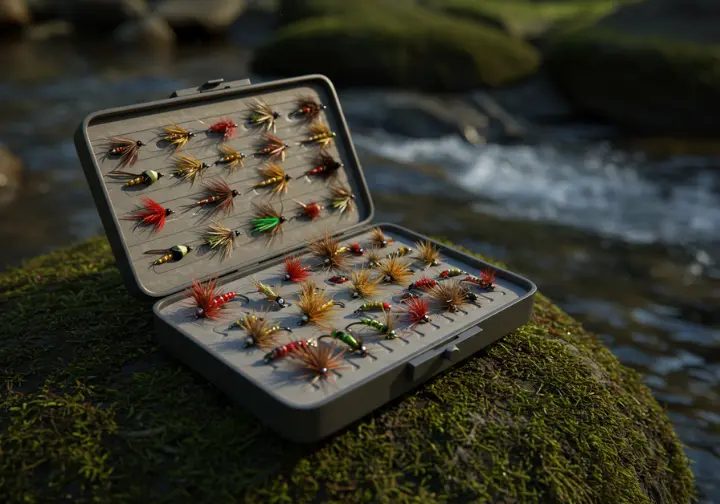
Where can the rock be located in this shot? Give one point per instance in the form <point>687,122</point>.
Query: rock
<point>103,16</point>
<point>536,99</point>
<point>547,414</point>
<point>151,31</point>
<point>191,19</point>
<point>10,175</point>
<point>405,47</point>
<point>646,85</point>
<point>14,17</point>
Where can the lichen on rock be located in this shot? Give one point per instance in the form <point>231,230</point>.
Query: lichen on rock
<point>92,410</point>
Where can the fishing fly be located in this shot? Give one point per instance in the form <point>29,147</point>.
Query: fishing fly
<point>262,115</point>
<point>428,253</point>
<point>321,136</point>
<point>273,148</point>
<point>310,211</point>
<point>258,331</point>
<point>356,249</point>
<point>374,259</point>
<point>386,327</point>
<point>225,127</point>
<point>308,109</point>
<point>338,279</point>
<point>423,283</point>
<point>378,238</point>
<point>221,238</point>
<point>373,306</point>
<point>175,136</point>
<point>273,175</point>
<point>416,311</point>
<point>324,166</point>
<point>395,271</point>
<point>209,301</point>
<point>174,253</point>
<point>289,349</point>
<point>267,220</point>
<point>450,273</point>
<point>272,297</point>
<point>219,194</point>
<point>363,284</point>
<point>401,252</point>
<point>452,296</point>
<point>329,250</point>
<point>317,362</point>
<point>150,213</point>
<point>126,149</point>
<point>342,199</point>
<point>189,168</point>
<point>295,271</point>
<point>147,178</point>
<point>231,158</point>
<point>486,280</point>
<point>355,344</point>
<point>315,305</point>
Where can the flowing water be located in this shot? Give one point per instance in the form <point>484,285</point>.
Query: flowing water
<point>630,247</point>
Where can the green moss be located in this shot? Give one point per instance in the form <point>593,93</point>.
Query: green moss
<point>648,85</point>
<point>93,410</point>
<point>394,45</point>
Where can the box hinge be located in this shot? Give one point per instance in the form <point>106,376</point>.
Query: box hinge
<point>441,355</point>
<point>211,85</point>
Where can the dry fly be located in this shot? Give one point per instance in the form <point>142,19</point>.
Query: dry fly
<point>363,284</point>
<point>189,168</point>
<point>317,363</point>
<point>378,238</point>
<point>127,149</point>
<point>273,148</point>
<point>221,238</point>
<point>273,175</point>
<point>330,251</point>
<point>394,270</point>
<point>374,257</point>
<point>267,220</point>
<point>342,198</point>
<point>316,306</point>
<point>428,253</point>
<point>321,136</point>
<point>452,296</point>
<point>308,109</point>
<point>259,332</point>
<point>175,136</point>
<point>262,115</point>
<point>231,158</point>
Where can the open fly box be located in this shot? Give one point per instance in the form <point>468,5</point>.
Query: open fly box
<point>364,366</point>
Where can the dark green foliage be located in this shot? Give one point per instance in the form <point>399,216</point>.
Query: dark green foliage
<point>92,410</point>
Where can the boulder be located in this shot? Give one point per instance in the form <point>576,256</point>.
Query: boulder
<point>150,31</point>
<point>646,85</point>
<point>14,17</point>
<point>10,175</point>
<point>547,414</point>
<point>406,47</point>
<point>104,16</point>
<point>191,19</point>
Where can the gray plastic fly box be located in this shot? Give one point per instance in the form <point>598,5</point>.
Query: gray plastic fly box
<point>276,392</point>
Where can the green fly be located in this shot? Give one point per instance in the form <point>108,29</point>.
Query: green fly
<point>387,327</point>
<point>354,343</point>
<point>267,220</point>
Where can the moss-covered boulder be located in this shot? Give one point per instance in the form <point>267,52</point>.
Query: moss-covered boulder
<point>374,43</point>
<point>648,85</point>
<point>93,411</point>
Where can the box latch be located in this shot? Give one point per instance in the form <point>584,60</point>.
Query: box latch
<point>211,85</point>
<point>442,355</point>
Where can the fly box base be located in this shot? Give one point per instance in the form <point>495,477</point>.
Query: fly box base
<point>164,256</point>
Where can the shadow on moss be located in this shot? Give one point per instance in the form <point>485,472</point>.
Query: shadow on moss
<point>93,410</point>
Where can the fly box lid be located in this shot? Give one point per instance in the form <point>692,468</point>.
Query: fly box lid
<point>206,126</point>
<point>301,309</point>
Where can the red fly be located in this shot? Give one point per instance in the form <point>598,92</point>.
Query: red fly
<point>423,283</point>
<point>225,127</point>
<point>218,191</point>
<point>310,210</point>
<point>452,272</point>
<point>273,147</point>
<point>324,166</point>
<point>283,350</point>
<point>294,270</point>
<point>487,278</point>
<point>356,249</point>
<point>416,311</point>
<point>338,279</point>
<point>209,301</point>
<point>150,213</point>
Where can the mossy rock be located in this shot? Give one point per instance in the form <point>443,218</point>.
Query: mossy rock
<point>396,45</point>
<point>93,410</point>
<point>653,86</point>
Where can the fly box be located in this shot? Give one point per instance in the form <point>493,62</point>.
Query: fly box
<point>244,211</point>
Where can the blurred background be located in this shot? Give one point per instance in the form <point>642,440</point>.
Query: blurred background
<point>575,140</point>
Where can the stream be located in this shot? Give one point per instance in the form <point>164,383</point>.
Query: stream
<point>627,245</point>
